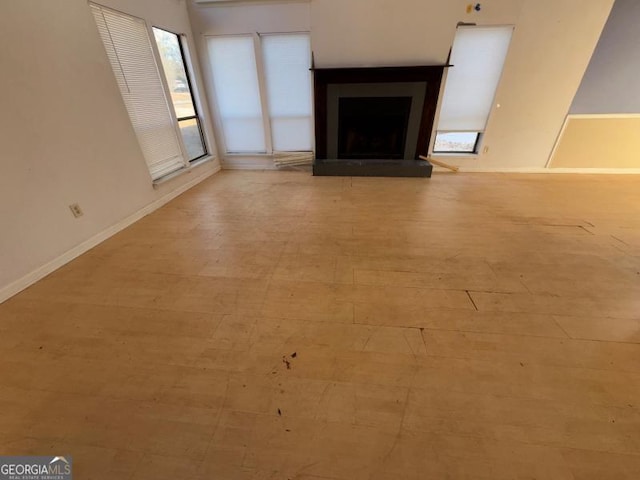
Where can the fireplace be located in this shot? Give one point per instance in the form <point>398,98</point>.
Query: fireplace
<point>373,127</point>
<point>374,121</point>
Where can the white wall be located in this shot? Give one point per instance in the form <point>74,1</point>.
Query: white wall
<point>611,84</point>
<point>551,47</point>
<point>270,17</point>
<point>392,32</point>
<point>601,131</point>
<point>65,134</point>
<point>550,50</point>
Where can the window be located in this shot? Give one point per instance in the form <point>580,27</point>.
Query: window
<point>263,91</point>
<point>287,60</point>
<point>172,56</point>
<point>459,142</point>
<point>477,56</point>
<point>130,52</point>
<point>237,92</point>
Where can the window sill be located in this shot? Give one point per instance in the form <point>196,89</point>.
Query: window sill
<point>182,171</point>
<point>455,155</point>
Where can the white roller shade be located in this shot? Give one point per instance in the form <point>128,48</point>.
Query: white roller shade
<point>235,78</point>
<point>477,57</point>
<point>287,59</point>
<point>128,47</point>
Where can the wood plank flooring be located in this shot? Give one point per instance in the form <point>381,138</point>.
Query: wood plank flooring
<point>275,325</point>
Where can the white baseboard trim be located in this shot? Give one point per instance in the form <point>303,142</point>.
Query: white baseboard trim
<point>603,115</point>
<point>41,272</point>
<point>582,171</point>
<point>266,163</point>
<point>598,171</point>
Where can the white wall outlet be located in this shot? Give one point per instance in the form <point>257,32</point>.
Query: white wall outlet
<point>76,210</point>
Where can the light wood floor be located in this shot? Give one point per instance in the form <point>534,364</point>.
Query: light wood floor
<point>272,325</point>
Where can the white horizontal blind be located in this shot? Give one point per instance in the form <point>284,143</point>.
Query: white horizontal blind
<point>128,47</point>
<point>235,77</point>
<point>287,59</point>
<point>477,57</point>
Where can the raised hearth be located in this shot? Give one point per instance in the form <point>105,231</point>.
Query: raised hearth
<point>372,168</point>
<point>374,121</point>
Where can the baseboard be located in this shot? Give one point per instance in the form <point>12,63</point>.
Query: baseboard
<point>603,115</point>
<point>247,163</point>
<point>583,171</point>
<point>41,272</point>
<point>599,171</point>
<point>265,162</point>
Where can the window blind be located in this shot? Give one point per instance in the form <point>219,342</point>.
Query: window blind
<point>128,47</point>
<point>235,77</point>
<point>287,59</point>
<point>477,57</point>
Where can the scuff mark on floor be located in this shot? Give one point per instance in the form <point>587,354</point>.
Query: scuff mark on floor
<point>471,298</point>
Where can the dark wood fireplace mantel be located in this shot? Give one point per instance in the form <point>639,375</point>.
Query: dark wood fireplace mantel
<point>323,77</point>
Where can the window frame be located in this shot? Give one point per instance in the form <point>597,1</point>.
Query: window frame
<point>153,58</point>
<point>480,133</point>
<point>208,144</point>
<point>181,38</point>
<point>262,91</point>
<point>476,144</point>
<point>215,105</point>
<point>262,77</point>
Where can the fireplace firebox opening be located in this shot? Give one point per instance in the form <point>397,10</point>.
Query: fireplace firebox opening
<point>373,127</point>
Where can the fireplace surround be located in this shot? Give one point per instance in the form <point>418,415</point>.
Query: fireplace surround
<point>374,121</point>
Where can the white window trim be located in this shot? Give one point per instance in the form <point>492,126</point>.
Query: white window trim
<point>197,94</point>
<point>188,169</point>
<point>262,84</point>
<point>262,87</point>
<point>435,130</point>
<point>263,81</point>
<point>167,94</point>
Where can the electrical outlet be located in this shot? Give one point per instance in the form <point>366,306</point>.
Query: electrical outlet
<point>76,210</point>
<point>485,150</point>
